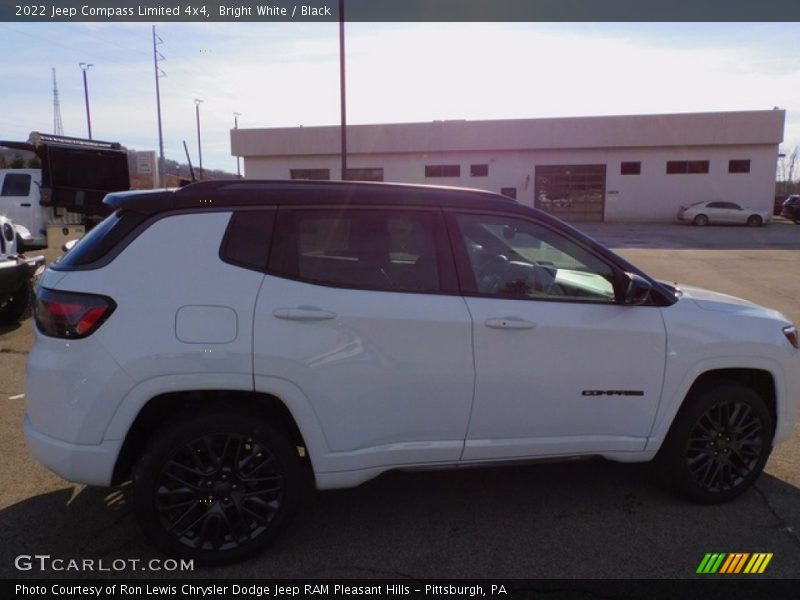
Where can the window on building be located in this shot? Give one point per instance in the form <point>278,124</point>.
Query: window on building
<point>479,170</point>
<point>442,170</point>
<point>630,168</point>
<point>16,184</point>
<point>681,167</point>
<point>364,174</point>
<point>318,174</point>
<point>370,249</point>
<point>738,166</point>
<point>510,192</point>
<point>697,166</point>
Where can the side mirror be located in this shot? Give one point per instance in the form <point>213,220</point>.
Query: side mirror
<point>68,245</point>
<point>637,291</point>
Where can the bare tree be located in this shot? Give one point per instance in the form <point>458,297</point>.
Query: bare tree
<point>788,164</point>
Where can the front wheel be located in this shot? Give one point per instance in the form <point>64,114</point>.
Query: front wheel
<point>216,488</point>
<point>719,443</point>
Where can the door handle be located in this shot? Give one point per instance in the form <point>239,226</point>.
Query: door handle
<point>25,204</point>
<point>303,313</point>
<point>509,323</point>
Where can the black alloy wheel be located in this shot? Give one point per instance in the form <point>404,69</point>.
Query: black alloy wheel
<point>218,488</point>
<point>725,446</point>
<point>719,443</point>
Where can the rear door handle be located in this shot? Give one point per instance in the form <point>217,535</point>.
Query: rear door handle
<point>303,313</point>
<point>509,323</point>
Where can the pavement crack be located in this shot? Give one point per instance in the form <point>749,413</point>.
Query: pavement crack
<point>782,523</point>
<point>12,351</point>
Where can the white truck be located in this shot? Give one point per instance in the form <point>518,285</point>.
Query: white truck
<point>53,186</point>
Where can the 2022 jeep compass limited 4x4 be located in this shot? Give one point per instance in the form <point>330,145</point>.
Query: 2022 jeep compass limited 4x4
<point>225,343</point>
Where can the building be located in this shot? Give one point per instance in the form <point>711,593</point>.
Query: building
<point>617,168</point>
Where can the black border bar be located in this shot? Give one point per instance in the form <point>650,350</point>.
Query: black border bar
<point>709,588</point>
<point>163,11</point>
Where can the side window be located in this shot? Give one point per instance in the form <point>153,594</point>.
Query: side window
<point>16,184</point>
<point>514,258</point>
<point>367,249</point>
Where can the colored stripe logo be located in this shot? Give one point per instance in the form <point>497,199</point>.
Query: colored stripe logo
<point>734,563</point>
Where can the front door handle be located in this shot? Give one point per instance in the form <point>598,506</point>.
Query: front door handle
<point>509,323</point>
<point>304,313</point>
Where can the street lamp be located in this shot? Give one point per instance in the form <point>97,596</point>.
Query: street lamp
<point>236,116</point>
<point>197,102</point>
<point>85,67</point>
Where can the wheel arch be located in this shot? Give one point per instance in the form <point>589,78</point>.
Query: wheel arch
<point>760,381</point>
<point>166,407</point>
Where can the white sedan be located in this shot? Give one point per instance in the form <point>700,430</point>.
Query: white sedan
<point>703,213</point>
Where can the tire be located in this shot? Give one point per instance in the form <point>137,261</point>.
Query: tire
<point>754,221</point>
<point>216,488</point>
<point>14,307</point>
<point>700,221</point>
<point>718,444</point>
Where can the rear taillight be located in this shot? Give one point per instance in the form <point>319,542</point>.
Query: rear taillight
<point>70,315</point>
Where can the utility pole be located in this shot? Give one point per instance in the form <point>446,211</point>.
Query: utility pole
<point>197,102</point>
<point>236,116</point>
<point>342,89</point>
<point>85,67</point>
<point>157,56</point>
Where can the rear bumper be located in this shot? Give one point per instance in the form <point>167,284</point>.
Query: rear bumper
<point>81,463</point>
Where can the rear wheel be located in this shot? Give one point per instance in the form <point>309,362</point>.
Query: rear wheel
<point>700,220</point>
<point>719,443</point>
<point>754,221</point>
<point>217,488</point>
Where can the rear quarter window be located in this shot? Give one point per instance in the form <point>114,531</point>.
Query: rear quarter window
<point>100,241</point>
<point>247,239</point>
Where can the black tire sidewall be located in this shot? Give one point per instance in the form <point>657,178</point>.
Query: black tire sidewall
<point>169,440</point>
<point>673,454</point>
<point>700,221</point>
<point>17,305</point>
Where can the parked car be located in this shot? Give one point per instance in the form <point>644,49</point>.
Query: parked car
<point>16,274</point>
<point>791,208</point>
<point>722,213</point>
<point>248,337</point>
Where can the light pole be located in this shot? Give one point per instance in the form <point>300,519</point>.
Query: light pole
<point>236,126</point>
<point>197,102</point>
<point>85,67</point>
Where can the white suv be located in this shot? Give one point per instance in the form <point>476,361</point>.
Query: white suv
<point>226,343</point>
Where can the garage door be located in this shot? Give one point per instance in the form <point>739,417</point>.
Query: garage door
<point>571,192</point>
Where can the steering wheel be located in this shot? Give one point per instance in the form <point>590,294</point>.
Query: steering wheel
<point>492,273</point>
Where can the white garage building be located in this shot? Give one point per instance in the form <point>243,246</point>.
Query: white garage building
<point>617,168</point>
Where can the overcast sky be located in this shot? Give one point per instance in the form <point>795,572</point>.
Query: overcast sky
<point>287,74</point>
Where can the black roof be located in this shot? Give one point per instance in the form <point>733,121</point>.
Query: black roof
<point>256,192</point>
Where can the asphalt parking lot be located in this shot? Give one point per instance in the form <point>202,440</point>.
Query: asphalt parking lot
<point>586,519</point>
